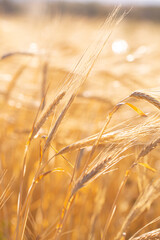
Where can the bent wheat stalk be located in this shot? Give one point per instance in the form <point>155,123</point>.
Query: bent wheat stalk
<point>23,53</point>
<point>148,224</point>
<point>148,127</point>
<point>153,235</point>
<point>147,97</point>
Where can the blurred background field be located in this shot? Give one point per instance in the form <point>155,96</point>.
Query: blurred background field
<point>40,44</point>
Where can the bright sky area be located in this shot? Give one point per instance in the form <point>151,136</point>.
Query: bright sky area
<point>129,2</point>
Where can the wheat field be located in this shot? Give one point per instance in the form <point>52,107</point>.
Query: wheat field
<point>79,128</point>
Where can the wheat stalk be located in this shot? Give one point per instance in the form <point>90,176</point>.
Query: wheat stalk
<point>23,53</point>
<point>148,127</point>
<point>144,201</point>
<point>14,80</point>
<point>54,129</point>
<point>148,148</point>
<point>153,235</point>
<point>44,82</point>
<point>147,97</point>
<point>47,114</point>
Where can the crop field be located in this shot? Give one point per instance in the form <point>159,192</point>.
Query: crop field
<point>79,127</point>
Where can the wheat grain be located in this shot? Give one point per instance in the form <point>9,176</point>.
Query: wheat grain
<point>148,148</point>
<point>47,113</point>
<point>54,129</point>
<point>147,97</point>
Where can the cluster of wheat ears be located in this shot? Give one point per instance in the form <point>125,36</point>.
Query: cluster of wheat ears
<point>44,177</point>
